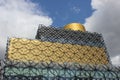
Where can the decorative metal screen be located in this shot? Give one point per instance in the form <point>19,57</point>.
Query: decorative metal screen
<point>58,54</point>
<point>54,71</point>
<point>69,36</point>
<point>37,51</point>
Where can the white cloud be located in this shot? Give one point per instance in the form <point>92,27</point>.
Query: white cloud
<point>75,9</point>
<point>106,20</point>
<point>116,60</point>
<point>20,18</point>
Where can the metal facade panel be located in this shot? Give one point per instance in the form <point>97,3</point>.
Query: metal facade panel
<point>53,71</point>
<point>37,51</point>
<point>68,36</point>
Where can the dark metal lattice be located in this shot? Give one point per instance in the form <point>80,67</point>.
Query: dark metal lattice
<point>68,36</point>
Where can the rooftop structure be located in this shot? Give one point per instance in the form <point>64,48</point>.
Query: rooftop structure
<point>75,27</point>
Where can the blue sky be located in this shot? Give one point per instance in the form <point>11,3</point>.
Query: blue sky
<point>66,11</point>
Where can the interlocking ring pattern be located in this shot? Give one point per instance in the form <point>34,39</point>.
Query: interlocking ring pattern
<point>54,71</point>
<point>37,51</point>
<point>68,36</point>
<point>58,54</point>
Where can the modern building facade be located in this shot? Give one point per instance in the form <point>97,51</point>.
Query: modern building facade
<point>69,53</point>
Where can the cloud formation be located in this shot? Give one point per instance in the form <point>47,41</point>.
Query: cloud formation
<point>75,9</point>
<point>106,20</point>
<point>19,18</point>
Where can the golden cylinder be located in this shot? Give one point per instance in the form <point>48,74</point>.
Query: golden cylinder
<point>75,27</point>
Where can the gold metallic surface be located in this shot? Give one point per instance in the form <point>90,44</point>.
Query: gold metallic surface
<point>37,51</point>
<point>75,27</point>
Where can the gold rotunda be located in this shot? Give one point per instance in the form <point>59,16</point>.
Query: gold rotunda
<point>75,27</point>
